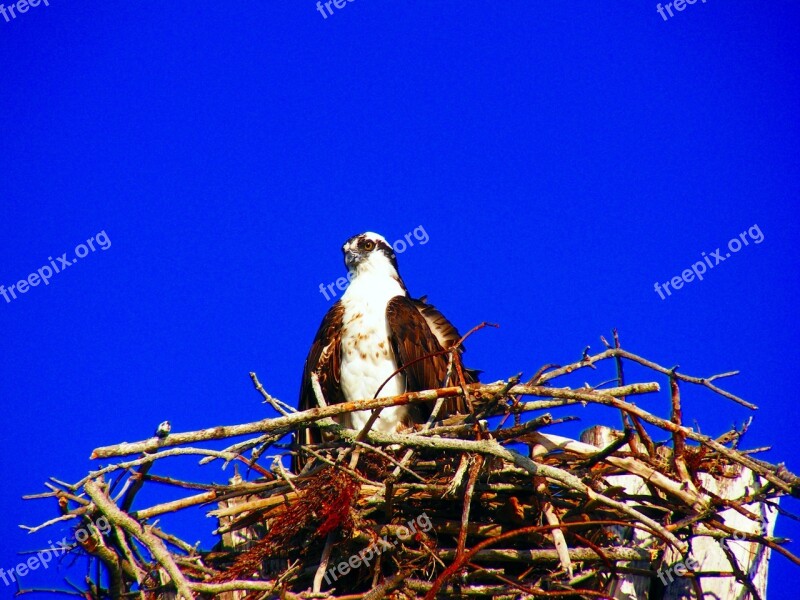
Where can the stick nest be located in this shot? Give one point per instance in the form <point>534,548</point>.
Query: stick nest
<point>481,505</point>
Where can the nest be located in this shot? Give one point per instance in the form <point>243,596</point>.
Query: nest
<point>486,505</point>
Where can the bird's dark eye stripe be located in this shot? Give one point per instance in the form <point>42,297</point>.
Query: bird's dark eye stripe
<point>381,245</point>
<point>371,245</point>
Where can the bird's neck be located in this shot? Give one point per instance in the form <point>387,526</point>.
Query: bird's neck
<point>377,284</point>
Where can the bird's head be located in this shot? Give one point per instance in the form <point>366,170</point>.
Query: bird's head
<point>369,252</point>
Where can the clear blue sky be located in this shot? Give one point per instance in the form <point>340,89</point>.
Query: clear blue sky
<point>561,157</point>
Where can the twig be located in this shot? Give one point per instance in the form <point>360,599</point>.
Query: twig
<point>279,406</point>
<point>153,544</point>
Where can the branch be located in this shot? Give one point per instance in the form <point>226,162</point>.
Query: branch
<point>155,546</point>
<point>295,420</point>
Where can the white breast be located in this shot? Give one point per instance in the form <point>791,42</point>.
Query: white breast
<point>367,355</point>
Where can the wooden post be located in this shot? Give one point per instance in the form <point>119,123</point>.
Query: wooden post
<point>707,554</point>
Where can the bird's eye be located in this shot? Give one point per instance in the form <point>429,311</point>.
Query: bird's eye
<point>369,245</point>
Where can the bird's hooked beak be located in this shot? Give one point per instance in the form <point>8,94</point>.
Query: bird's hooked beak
<point>352,256</point>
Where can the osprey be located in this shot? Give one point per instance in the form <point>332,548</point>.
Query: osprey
<point>372,331</point>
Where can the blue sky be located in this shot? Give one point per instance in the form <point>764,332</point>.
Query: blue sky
<point>561,157</point>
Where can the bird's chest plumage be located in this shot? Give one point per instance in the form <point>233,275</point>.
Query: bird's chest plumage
<point>367,358</point>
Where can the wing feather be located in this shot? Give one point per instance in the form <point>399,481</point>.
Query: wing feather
<point>418,330</point>
<point>324,357</point>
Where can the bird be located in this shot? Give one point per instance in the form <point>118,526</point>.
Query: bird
<point>163,429</point>
<point>373,330</point>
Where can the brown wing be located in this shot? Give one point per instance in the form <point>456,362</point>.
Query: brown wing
<point>445,332</point>
<point>414,333</point>
<point>441,327</point>
<point>324,358</point>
